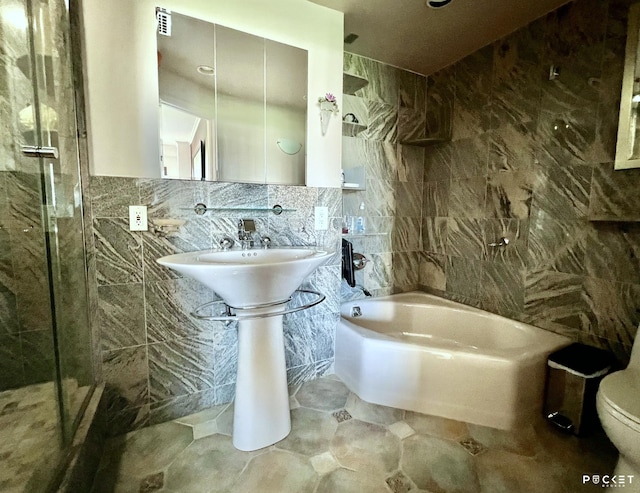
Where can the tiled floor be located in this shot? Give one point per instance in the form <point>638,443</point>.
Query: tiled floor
<point>30,441</point>
<point>341,444</point>
<point>29,438</point>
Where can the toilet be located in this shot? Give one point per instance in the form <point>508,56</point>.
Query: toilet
<point>618,406</point>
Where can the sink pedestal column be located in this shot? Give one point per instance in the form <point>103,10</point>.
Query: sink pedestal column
<point>261,410</point>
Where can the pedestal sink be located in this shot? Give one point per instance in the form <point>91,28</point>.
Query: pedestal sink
<point>257,284</point>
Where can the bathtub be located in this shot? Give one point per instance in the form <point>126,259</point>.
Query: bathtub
<point>419,352</point>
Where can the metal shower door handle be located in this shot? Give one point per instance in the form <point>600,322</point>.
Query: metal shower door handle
<point>37,151</point>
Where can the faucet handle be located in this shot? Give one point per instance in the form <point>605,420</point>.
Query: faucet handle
<point>266,242</point>
<point>226,243</point>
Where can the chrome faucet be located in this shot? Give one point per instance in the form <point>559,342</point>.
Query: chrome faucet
<point>266,242</point>
<point>246,228</point>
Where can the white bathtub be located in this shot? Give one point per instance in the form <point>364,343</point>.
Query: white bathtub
<point>423,353</point>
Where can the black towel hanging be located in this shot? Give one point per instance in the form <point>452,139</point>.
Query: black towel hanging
<point>348,272</point>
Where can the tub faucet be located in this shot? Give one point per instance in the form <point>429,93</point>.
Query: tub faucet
<point>246,228</point>
<point>502,242</point>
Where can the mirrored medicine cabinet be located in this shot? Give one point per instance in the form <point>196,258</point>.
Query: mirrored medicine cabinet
<point>233,106</point>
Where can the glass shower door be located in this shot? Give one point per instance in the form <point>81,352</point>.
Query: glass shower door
<point>62,212</point>
<point>45,357</point>
<point>31,435</point>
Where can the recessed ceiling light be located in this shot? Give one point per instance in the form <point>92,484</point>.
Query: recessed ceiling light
<point>205,70</point>
<point>437,4</point>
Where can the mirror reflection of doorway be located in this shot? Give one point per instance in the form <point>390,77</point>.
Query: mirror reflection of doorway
<point>198,170</point>
<point>182,136</point>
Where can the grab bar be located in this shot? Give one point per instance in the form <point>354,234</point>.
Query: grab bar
<point>229,316</point>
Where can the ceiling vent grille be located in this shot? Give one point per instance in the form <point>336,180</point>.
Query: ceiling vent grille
<point>164,22</point>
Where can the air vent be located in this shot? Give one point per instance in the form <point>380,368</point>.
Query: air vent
<point>164,22</point>
<point>350,38</point>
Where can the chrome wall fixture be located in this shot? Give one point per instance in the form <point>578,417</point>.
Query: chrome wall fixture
<point>502,242</point>
<point>201,209</point>
<point>359,261</point>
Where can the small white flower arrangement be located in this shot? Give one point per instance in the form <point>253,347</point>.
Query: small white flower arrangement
<point>328,102</point>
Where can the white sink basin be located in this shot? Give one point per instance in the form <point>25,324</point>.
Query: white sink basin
<point>246,278</point>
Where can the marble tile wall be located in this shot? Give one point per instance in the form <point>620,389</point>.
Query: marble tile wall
<point>393,106</point>
<point>160,363</point>
<point>531,160</point>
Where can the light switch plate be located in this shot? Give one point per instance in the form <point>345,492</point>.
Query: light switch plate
<point>322,218</point>
<point>138,218</point>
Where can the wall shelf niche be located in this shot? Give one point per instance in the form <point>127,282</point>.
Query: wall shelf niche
<point>350,129</point>
<point>425,142</point>
<point>353,186</point>
<point>354,177</point>
<point>352,83</point>
<point>362,235</point>
<point>614,219</point>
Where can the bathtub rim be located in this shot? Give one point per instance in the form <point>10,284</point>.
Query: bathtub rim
<point>546,340</point>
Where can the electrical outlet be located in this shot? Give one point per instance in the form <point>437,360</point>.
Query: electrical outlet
<point>138,218</point>
<point>322,218</point>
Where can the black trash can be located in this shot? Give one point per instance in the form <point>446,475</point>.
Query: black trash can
<point>573,377</point>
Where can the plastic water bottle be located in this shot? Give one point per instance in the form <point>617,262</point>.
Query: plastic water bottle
<point>360,222</point>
